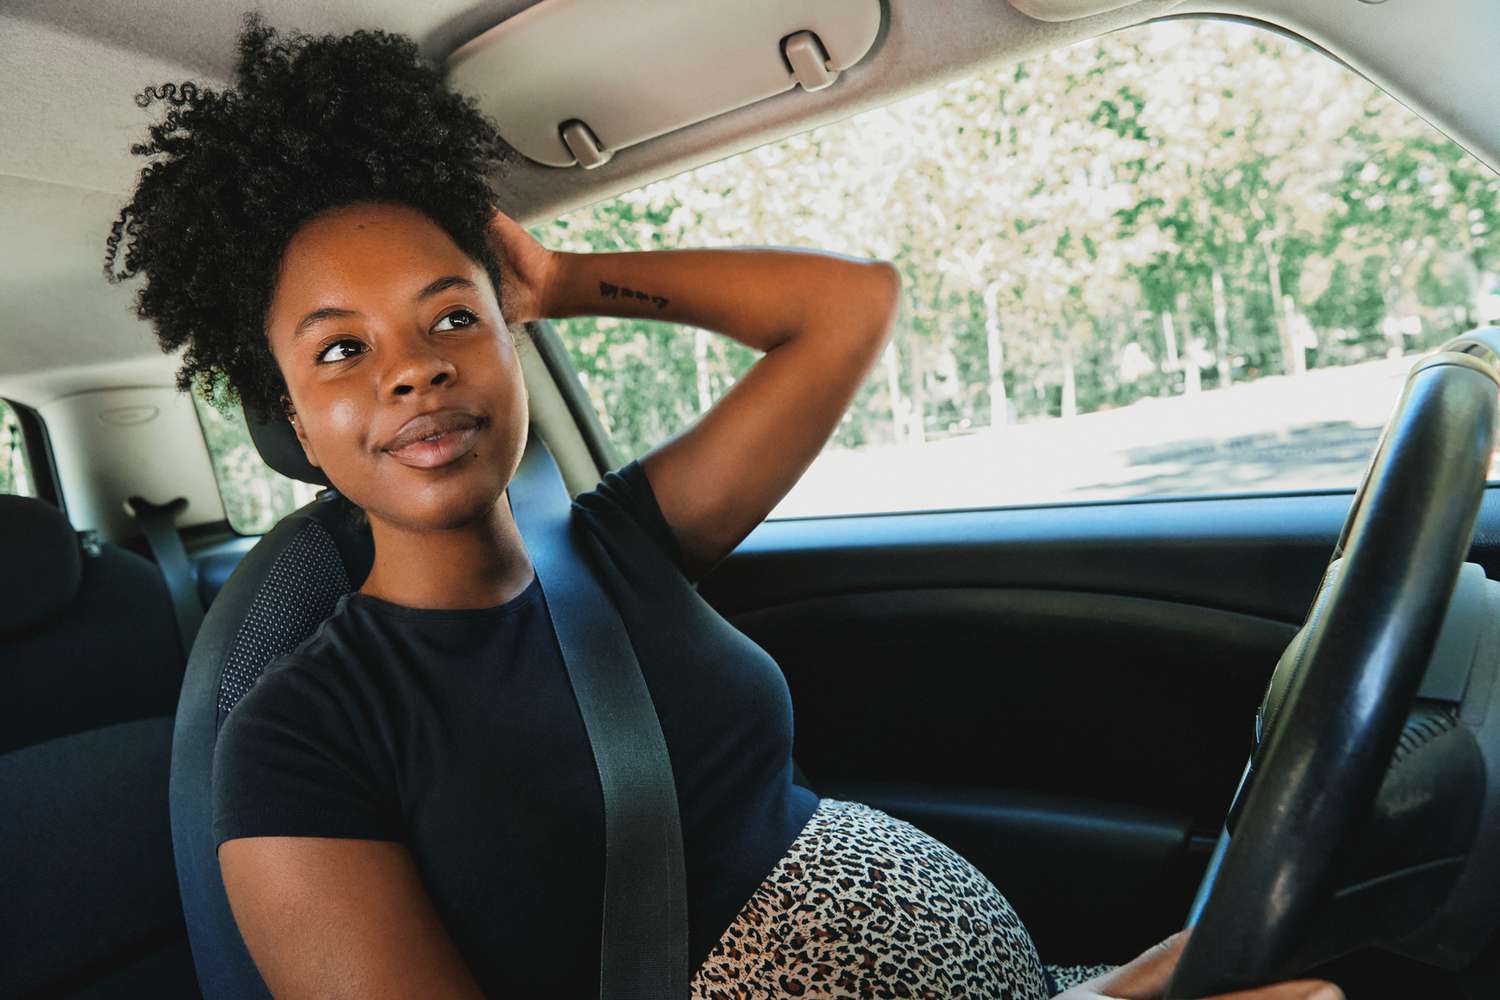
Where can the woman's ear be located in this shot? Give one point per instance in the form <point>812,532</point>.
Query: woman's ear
<point>291,416</point>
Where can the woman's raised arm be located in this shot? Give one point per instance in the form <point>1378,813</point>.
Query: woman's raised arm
<point>821,318</point>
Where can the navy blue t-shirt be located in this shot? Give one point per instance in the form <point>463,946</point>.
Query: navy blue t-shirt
<point>457,733</point>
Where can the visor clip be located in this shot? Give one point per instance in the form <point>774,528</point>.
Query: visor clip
<point>583,144</point>
<point>809,63</point>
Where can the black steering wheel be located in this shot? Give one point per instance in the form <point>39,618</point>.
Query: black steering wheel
<point>1341,695</point>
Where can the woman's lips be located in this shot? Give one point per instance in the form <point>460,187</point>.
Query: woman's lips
<point>429,453</point>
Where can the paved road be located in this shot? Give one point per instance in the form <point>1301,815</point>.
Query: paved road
<point>1279,433</point>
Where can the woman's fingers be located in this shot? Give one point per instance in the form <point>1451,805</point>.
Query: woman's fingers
<point>1299,989</point>
<point>507,231</point>
<point>527,269</point>
<point>1146,978</point>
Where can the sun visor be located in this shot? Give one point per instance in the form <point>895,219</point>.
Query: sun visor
<point>572,81</point>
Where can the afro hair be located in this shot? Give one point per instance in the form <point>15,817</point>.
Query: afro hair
<point>311,124</point>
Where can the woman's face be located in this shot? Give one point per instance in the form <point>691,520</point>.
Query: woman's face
<point>378,317</point>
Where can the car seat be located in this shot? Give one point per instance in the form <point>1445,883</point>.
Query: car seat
<point>278,595</point>
<point>88,899</point>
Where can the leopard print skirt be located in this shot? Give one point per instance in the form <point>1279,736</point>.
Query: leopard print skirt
<point>865,905</point>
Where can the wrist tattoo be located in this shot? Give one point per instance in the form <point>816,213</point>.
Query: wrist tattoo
<point>609,291</point>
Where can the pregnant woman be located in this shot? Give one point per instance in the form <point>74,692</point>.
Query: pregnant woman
<point>406,804</point>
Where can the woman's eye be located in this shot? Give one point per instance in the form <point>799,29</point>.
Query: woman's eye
<point>324,358</point>
<point>460,317</point>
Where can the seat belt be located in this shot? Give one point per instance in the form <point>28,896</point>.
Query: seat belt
<point>158,522</point>
<point>644,942</point>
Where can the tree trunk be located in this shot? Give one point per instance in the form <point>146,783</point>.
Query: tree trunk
<point>1221,331</point>
<point>1396,343</point>
<point>1169,341</point>
<point>1293,361</point>
<point>700,362</point>
<point>1192,378</point>
<point>1483,312</point>
<point>916,430</point>
<point>1289,309</point>
<point>1069,383</point>
<point>893,389</point>
<point>995,353</point>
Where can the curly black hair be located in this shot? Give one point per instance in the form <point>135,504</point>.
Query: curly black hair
<point>312,123</point>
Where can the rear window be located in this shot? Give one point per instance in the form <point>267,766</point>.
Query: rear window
<point>15,468</point>
<point>255,496</point>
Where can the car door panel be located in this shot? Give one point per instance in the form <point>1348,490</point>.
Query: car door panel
<point>1093,695</point>
<point>1057,739</point>
<point>1259,556</point>
<point>1092,880</point>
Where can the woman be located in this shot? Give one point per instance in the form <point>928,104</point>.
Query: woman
<point>405,804</point>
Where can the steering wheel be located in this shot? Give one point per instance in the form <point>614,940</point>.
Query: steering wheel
<point>1340,697</point>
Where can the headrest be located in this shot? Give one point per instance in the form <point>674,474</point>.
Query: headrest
<point>278,445</point>
<point>43,567</point>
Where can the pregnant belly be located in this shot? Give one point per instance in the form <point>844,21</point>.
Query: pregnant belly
<point>864,904</point>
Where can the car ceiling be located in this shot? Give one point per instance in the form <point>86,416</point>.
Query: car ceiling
<point>69,72</point>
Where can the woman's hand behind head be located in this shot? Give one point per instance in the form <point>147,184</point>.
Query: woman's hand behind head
<point>527,269</point>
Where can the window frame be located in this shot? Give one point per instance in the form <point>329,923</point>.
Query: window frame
<point>36,449</point>
<point>565,375</point>
<point>226,527</point>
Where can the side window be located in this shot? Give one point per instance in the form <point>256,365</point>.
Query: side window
<point>255,497</point>
<point>1190,258</point>
<point>15,467</point>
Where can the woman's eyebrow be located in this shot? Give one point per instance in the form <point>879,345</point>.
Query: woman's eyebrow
<point>443,284</point>
<point>334,312</point>
<point>318,316</point>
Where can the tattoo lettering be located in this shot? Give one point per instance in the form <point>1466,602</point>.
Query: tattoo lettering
<point>609,291</point>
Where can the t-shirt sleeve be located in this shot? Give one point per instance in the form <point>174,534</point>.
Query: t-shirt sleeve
<point>290,762</point>
<point>628,489</point>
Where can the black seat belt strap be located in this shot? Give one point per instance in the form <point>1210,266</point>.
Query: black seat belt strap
<point>159,524</point>
<point>644,942</point>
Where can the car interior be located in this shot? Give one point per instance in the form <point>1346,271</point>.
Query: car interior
<point>1066,692</point>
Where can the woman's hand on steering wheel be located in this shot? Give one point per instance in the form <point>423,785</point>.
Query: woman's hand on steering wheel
<point>527,269</point>
<point>1146,978</point>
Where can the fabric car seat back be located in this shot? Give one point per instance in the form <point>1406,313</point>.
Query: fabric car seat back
<point>278,595</point>
<point>92,663</point>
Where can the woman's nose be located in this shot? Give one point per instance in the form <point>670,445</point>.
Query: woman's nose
<point>418,369</point>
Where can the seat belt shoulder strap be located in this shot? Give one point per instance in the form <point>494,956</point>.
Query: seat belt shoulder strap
<point>158,522</point>
<point>643,951</point>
